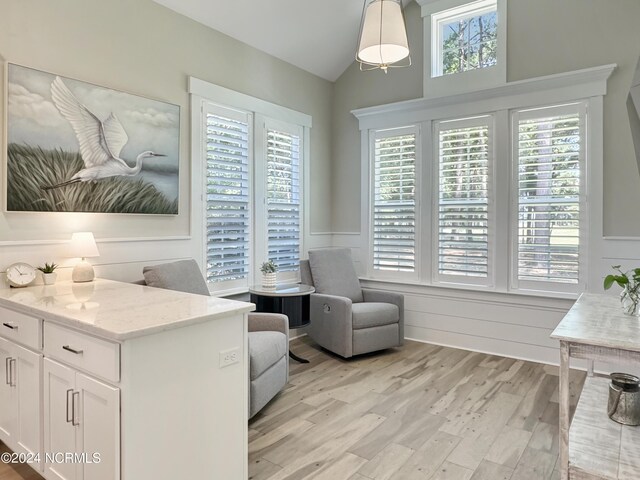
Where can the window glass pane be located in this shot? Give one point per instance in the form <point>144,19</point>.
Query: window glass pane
<point>468,42</point>
<point>549,194</point>
<point>227,202</point>
<point>463,201</point>
<point>283,199</point>
<point>394,203</point>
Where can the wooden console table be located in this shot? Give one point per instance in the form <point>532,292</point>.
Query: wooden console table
<point>593,446</point>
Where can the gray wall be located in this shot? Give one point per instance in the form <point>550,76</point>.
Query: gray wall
<point>141,47</point>
<point>544,37</point>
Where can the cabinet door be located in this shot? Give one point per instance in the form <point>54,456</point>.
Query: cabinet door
<point>99,429</point>
<point>8,396</point>
<point>59,431</point>
<point>27,382</point>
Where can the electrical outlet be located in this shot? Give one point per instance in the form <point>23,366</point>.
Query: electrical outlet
<point>229,357</point>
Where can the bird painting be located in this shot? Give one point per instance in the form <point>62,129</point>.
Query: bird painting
<point>100,141</point>
<point>74,146</point>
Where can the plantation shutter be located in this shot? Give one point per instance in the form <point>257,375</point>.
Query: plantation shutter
<point>228,217</point>
<point>283,198</point>
<point>549,148</point>
<point>463,205</point>
<point>394,205</point>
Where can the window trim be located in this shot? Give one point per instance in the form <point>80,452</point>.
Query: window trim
<point>528,286</point>
<point>487,282</point>
<point>202,91</point>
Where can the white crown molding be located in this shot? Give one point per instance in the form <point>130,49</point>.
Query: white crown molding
<point>566,86</point>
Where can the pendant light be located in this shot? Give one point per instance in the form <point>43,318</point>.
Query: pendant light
<point>383,36</point>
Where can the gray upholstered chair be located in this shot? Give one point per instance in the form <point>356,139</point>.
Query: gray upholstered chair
<point>345,318</point>
<point>268,332</point>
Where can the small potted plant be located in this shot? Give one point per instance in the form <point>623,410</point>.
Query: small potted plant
<point>48,273</point>
<point>269,269</point>
<point>630,283</point>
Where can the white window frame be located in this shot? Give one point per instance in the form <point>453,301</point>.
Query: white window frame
<point>261,248</point>
<point>201,92</point>
<point>516,284</point>
<point>209,107</point>
<point>373,136</point>
<point>437,12</point>
<point>453,280</point>
<point>586,86</point>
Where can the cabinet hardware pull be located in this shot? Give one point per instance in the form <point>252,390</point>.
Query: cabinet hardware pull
<point>73,408</point>
<point>69,420</point>
<point>12,327</point>
<point>12,374</point>
<point>7,367</point>
<point>72,350</point>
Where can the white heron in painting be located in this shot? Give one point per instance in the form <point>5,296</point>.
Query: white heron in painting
<point>100,142</point>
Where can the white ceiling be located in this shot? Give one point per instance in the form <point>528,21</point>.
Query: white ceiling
<point>318,36</point>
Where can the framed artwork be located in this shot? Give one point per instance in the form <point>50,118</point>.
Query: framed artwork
<point>77,147</point>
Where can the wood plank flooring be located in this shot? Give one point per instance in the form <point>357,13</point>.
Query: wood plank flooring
<point>421,412</point>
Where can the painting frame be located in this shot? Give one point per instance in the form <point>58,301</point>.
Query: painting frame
<point>150,191</point>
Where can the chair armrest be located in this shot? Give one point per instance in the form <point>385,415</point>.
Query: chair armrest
<point>332,323</point>
<point>275,322</point>
<point>371,295</point>
<point>381,296</point>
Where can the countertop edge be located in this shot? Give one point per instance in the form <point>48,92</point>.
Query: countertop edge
<point>242,308</point>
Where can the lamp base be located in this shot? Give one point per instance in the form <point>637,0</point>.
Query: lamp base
<point>83,272</point>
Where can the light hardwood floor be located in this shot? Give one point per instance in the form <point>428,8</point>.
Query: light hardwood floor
<point>420,412</point>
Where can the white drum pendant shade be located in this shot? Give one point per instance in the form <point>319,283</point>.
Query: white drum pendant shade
<point>383,37</point>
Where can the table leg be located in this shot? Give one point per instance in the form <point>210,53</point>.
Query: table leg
<point>297,358</point>
<point>564,410</point>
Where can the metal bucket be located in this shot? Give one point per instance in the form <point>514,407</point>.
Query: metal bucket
<point>624,399</point>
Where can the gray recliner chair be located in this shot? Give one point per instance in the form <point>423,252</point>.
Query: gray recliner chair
<point>345,318</point>
<point>268,332</point>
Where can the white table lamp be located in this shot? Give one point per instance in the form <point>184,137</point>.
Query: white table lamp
<point>83,245</point>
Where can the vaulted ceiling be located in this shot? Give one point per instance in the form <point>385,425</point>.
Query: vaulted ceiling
<point>319,37</point>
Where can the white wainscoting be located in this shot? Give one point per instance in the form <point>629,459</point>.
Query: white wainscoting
<point>510,325</point>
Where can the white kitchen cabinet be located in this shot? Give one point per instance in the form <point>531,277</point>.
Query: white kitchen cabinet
<point>20,415</point>
<point>135,378</point>
<point>81,417</point>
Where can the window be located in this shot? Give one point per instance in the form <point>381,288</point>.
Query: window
<point>465,46</point>
<point>465,38</point>
<point>253,196</point>
<point>464,199</point>
<point>228,220</point>
<point>393,235</point>
<point>283,198</point>
<point>549,160</point>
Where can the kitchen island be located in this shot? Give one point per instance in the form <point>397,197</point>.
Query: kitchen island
<point>109,380</point>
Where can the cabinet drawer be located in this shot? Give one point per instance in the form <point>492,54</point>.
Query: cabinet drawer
<point>85,352</point>
<point>21,328</point>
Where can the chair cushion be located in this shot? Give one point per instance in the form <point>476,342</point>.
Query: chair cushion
<point>265,349</point>
<point>183,276</point>
<point>334,274</point>
<point>373,314</point>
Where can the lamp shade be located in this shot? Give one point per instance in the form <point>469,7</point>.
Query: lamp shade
<point>383,36</point>
<point>83,245</point>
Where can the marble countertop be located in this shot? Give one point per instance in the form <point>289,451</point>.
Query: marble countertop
<point>597,319</point>
<point>117,310</point>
